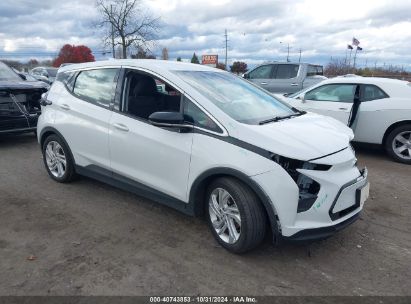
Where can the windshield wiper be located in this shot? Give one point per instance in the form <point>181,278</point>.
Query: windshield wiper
<point>278,118</point>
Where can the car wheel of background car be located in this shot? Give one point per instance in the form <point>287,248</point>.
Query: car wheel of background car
<point>398,144</point>
<point>58,160</point>
<point>235,215</point>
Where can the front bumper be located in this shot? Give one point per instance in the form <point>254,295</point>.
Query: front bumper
<point>321,233</point>
<point>336,205</point>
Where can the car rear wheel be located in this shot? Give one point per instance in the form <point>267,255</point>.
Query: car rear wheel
<point>235,215</point>
<point>398,144</point>
<point>57,159</point>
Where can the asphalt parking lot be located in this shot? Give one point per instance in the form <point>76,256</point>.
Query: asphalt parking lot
<point>87,238</point>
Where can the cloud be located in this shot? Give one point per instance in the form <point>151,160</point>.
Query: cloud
<point>320,28</point>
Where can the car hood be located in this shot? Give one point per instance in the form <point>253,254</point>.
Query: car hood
<point>20,85</point>
<point>305,137</point>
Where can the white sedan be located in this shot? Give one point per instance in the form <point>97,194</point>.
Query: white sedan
<point>378,110</point>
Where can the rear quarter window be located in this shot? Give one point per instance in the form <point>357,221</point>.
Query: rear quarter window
<point>373,92</point>
<point>96,86</point>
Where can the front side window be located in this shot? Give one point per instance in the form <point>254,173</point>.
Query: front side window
<point>262,72</point>
<point>333,92</point>
<point>144,94</point>
<point>198,118</point>
<point>236,97</point>
<point>287,71</point>
<point>372,92</point>
<point>96,86</point>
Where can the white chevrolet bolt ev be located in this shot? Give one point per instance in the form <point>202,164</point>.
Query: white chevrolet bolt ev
<point>205,142</point>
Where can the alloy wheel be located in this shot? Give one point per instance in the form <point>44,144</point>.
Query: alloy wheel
<point>55,159</point>
<point>225,216</point>
<point>401,145</point>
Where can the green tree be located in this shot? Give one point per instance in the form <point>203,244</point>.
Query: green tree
<point>194,59</point>
<point>178,58</point>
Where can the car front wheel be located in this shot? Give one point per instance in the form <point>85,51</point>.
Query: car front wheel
<point>398,144</point>
<point>235,215</point>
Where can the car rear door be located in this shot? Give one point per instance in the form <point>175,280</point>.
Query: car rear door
<point>82,114</point>
<point>286,79</point>
<point>144,154</point>
<point>335,100</point>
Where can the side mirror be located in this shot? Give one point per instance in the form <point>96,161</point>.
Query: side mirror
<point>246,76</point>
<point>169,120</point>
<point>303,100</point>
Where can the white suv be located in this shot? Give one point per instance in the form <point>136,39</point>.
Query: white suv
<point>205,142</point>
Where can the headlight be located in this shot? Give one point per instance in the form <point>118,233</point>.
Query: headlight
<point>308,188</point>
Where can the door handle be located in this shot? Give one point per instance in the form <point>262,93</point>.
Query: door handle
<point>343,109</point>
<point>263,83</point>
<point>65,107</point>
<point>294,84</point>
<point>121,127</point>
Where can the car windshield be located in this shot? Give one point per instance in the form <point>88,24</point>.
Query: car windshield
<point>8,74</point>
<point>52,72</point>
<point>238,98</point>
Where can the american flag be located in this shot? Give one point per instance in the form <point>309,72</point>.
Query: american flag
<point>355,41</point>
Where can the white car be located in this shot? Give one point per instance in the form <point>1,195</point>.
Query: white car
<point>378,110</point>
<point>210,144</point>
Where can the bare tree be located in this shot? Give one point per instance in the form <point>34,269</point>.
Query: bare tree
<point>126,23</point>
<point>164,54</point>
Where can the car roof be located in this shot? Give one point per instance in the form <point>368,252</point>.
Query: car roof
<point>150,64</point>
<point>393,87</point>
<point>363,80</point>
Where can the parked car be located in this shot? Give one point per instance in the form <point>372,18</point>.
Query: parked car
<point>211,144</point>
<point>285,78</point>
<point>378,110</point>
<point>45,74</point>
<point>19,102</point>
<point>27,77</point>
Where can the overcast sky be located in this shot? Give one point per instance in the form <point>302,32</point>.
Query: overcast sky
<point>258,30</point>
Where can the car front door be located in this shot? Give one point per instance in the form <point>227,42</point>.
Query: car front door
<point>82,114</point>
<point>155,157</point>
<point>263,76</point>
<point>335,100</point>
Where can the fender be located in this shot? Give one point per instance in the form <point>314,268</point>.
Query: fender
<point>199,186</point>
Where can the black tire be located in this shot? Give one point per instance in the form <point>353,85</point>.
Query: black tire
<point>389,142</point>
<point>69,173</point>
<point>252,213</point>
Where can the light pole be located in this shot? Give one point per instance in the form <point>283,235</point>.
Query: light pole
<point>288,51</point>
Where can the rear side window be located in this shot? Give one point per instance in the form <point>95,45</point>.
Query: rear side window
<point>262,72</point>
<point>96,86</point>
<point>287,71</point>
<point>372,92</point>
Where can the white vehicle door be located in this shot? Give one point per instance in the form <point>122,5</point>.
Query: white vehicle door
<point>158,158</point>
<point>335,100</point>
<point>83,114</point>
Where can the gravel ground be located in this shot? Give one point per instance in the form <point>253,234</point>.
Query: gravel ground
<point>87,238</point>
